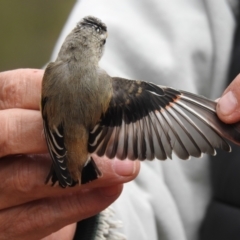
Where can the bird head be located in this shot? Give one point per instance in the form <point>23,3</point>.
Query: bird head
<point>86,40</point>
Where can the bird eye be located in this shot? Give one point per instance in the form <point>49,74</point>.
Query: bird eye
<point>97,29</point>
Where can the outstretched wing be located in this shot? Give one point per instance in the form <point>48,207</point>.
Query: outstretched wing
<point>55,142</point>
<point>145,121</point>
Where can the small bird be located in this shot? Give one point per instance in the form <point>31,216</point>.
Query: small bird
<point>86,111</point>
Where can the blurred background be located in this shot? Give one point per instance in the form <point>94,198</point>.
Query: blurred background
<point>29,31</point>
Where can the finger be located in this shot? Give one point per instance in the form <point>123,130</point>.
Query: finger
<point>41,218</point>
<point>228,107</point>
<point>20,88</point>
<point>25,176</point>
<point>21,132</point>
<point>66,233</point>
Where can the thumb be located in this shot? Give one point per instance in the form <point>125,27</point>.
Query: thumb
<point>228,106</point>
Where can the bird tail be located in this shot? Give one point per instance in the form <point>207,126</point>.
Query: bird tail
<point>53,179</point>
<point>90,172</point>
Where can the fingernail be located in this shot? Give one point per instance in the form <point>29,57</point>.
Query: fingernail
<point>110,191</point>
<point>124,168</point>
<point>227,103</point>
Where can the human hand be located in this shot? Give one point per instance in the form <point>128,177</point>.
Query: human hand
<point>29,209</point>
<point>228,107</point>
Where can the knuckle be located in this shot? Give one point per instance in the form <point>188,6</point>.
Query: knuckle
<point>23,171</point>
<point>11,132</point>
<point>15,126</point>
<point>3,136</point>
<point>13,89</point>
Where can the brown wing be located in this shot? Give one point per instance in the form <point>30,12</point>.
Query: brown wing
<point>145,121</point>
<point>55,142</point>
<point>54,135</point>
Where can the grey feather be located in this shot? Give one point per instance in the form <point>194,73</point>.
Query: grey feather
<point>154,121</point>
